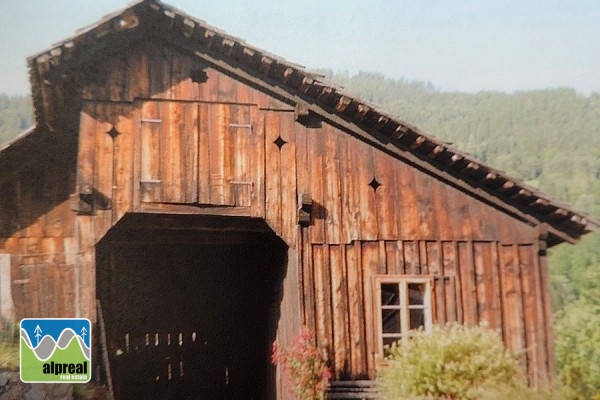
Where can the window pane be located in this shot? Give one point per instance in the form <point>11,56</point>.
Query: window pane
<point>388,341</point>
<point>416,293</point>
<point>417,318</point>
<point>390,321</point>
<point>390,294</point>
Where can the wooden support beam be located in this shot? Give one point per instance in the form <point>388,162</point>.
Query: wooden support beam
<point>326,92</point>
<point>456,158</point>
<point>265,64</point>
<point>306,84</point>
<point>381,122</point>
<point>362,111</point>
<point>489,178</point>
<point>437,150</point>
<point>342,104</point>
<point>287,74</point>
<point>521,195</point>
<point>559,214</point>
<point>417,143</point>
<point>400,131</point>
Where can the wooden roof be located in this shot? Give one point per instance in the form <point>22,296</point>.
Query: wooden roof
<point>154,20</point>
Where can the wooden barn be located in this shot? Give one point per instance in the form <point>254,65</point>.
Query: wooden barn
<point>199,198</point>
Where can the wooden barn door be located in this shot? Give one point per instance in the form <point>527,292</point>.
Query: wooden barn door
<point>197,153</point>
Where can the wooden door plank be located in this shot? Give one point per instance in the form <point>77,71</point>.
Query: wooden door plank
<point>257,162</point>
<point>204,156</point>
<point>150,177</point>
<point>191,147</point>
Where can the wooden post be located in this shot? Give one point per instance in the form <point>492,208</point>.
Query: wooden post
<point>7,307</point>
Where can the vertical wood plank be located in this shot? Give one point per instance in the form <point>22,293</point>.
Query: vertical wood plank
<point>150,178</point>
<point>364,170</point>
<point>425,213</point>
<point>273,171</point>
<point>350,229</point>
<point>529,312</point>
<point>394,258</point>
<point>241,133</point>
<point>496,294</point>
<point>441,217</point>
<point>339,294</point>
<point>204,156</point>
<point>87,141</point>
<point>257,162</point>
<point>547,307</point>
<point>220,154</point>
<point>138,77</point>
<point>411,257</point>
<point>322,275</point>
<point>407,217</point>
<point>189,132</point>
<point>434,260</point>
<point>541,333</point>
<point>356,311</point>
<point>103,170</point>
<point>452,288</point>
<point>467,283</point>
<point>124,150</point>
<point>316,156</point>
<point>287,176</point>
<point>370,265</point>
<point>482,282</point>
<point>308,282</point>
<point>512,307</point>
<point>386,196</point>
<point>172,152</point>
<point>331,182</point>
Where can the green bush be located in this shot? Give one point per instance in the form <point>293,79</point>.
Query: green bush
<point>577,346</point>
<point>452,362</point>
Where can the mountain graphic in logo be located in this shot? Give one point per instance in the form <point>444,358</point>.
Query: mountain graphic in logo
<point>55,350</point>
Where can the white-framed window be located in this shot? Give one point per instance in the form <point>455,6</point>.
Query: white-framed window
<point>403,304</point>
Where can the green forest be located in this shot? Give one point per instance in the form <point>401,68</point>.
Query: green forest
<point>548,138</point>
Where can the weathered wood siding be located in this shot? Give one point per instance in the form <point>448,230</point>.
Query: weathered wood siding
<point>36,229</point>
<point>153,140</point>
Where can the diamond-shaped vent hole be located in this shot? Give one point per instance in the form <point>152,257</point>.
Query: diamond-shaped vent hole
<point>113,133</point>
<point>374,184</point>
<point>279,142</point>
<point>199,76</point>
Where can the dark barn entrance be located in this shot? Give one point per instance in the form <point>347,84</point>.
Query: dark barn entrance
<point>191,306</point>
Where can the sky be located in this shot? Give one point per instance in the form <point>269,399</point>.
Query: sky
<point>458,45</point>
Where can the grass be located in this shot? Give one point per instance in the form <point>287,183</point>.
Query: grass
<point>9,345</point>
<point>9,356</point>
